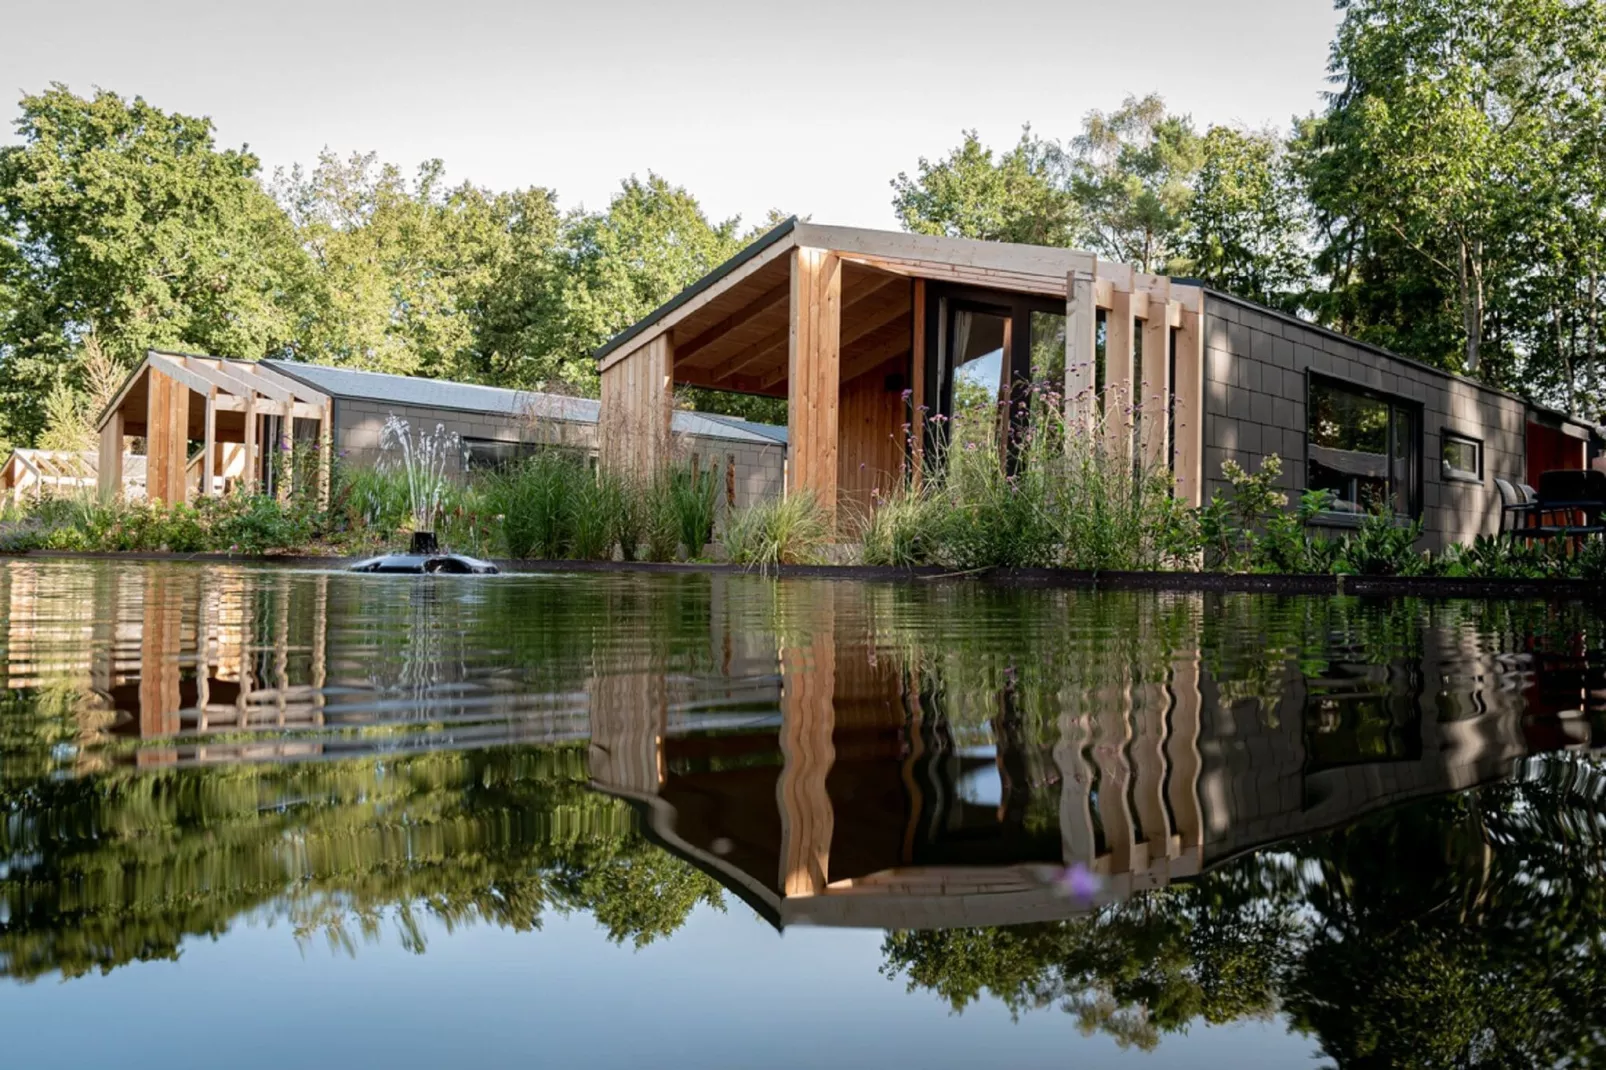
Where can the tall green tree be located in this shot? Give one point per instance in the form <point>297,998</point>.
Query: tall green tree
<point>1017,197</point>
<point>127,220</point>
<point>1244,228</point>
<point>415,277</point>
<point>1439,153</point>
<point>1132,173</point>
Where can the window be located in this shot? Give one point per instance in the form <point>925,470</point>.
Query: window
<point>1363,447</point>
<point>1462,457</point>
<point>492,455</point>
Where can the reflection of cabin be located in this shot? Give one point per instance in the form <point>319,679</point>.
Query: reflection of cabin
<point>879,340</point>
<point>872,804</point>
<point>208,425</point>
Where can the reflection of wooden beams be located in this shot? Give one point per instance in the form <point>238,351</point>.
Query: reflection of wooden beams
<point>814,363</point>
<point>1115,777</point>
<point>1078,843</point>
<point>1182,752</point>
<point>1148,789</point>
<point>159,646</point>
<point>808,716</point>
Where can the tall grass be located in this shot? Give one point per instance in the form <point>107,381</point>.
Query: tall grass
<point>1071,497</point>
<point>694,497</point>
<point>781,531</point>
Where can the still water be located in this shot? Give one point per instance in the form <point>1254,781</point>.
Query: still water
<point>261,817</point>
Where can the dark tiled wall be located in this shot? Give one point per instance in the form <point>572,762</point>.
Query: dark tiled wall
<point>1255,374</point>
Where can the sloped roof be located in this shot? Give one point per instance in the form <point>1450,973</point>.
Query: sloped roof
<point>386,389</point>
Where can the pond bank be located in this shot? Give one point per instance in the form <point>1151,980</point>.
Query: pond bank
<point>1047,578</point>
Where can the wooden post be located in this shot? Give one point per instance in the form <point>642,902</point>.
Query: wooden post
<point>1081,354</point>
<point>917,394</point>
<point>248,478</point>
<point>326,452</point>
<point>1153,395</point>
<point>209,450</point>
<point>814,371</point>
<point>1190,406</point>
<point>1118,386</point>
<point>284,451</point>
<point>109,471</point>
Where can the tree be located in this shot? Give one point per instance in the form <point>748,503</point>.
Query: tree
<point>71,410</point>
<point>1442,149</point>
<point>1132,172</point>
<point>123,217</point>
<point>612,268</point>
<point>1017,198</point>
<point>416,278</point>
<point>1244,227</point>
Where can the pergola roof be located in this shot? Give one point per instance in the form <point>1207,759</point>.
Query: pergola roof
<point>234,384</point>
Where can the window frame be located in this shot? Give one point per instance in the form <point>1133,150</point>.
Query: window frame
<point>1460,475</point>
<point>1414,495</point>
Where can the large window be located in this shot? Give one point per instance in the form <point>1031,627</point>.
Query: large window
<point>1364,448</point>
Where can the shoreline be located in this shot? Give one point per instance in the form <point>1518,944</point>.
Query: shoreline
<point>1039,578</point>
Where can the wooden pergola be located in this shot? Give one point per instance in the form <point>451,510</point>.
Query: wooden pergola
<point>850,326</point>
<point>30,473</point>
<point>238,414</point>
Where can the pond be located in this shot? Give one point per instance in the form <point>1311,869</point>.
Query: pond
<point>269,816</point>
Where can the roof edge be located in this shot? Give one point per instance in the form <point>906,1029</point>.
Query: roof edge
<point>760,245</point>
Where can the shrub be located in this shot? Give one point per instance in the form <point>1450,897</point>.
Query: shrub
<point>631,516</point>
<point>594,515</point>
<point>902,531</point>
<point>781,531</point>
<point>1491,557</point>
<point>1383,547</point>
<point>660,527</point>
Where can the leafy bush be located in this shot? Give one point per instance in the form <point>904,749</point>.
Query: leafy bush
<point>793,530</point>
<point>902,531</point>
<point>660,520</point>
<point>1383,547</point>
<point>594,516</point>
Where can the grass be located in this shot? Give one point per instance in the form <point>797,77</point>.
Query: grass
<point>793,530</point>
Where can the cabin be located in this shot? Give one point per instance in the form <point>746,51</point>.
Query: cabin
<point>28,473</point>
<point>871,336</point>
<point>211,424</point>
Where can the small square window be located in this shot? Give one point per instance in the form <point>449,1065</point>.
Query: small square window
<point>1462,458</point>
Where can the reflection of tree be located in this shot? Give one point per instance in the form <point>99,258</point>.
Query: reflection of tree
<point>1462,931</point>
<point>121,868</point>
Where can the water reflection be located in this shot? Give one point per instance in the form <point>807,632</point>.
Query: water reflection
<point>1382,820</point>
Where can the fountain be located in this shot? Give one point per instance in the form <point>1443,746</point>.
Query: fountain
<point>424,464</point>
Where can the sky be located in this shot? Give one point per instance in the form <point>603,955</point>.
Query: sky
<point>807,108</point>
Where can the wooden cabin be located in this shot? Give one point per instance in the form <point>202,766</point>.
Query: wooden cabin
<point>209,424</point>
<point>867,333</point>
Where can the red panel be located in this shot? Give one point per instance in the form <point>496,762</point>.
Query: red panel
<point>1549,451</point>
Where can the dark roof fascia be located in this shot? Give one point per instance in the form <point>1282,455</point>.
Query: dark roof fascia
<point>640,327</point>
<point>1378,350</point>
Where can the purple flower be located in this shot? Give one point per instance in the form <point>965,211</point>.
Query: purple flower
<point>1080,883</point>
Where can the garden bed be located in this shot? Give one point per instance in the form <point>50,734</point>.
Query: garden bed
<point>1044,578</point>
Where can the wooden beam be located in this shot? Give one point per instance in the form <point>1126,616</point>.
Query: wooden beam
<point>209,449</point>
<point>297,391</point>
<point>774,297</point>
<point>248,477</point>
<point>869,358</point>
<point>176,371</point>
<point>667,320</point>
<point>814,374</point>
<point>1190,408</point>
<point>1154,392</point>
<point>917,386</point>
<point>1051,263</point>
<point>761,354</point>
<point>1081,354</point>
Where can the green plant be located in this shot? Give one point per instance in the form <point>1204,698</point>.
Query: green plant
<point>1229,527</point>
<point>792,530</point>
<point>1285,543</point>
<point>534,500</point>
<point>901,530</point>
<point>1491,557</point>
<point>631,514</point>
<point>660,529</point>
<point>693,495</point>
<point>594,515</point>
<point>1383,546</point>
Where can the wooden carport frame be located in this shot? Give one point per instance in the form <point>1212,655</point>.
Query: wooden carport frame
<point>167,381</point>
<point>807,310</point>
<point>31,472</point>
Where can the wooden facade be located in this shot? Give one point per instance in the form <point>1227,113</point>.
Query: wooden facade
<point>850,325</point>
<point>209,425</point>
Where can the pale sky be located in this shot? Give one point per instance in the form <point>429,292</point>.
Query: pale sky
<point>811,108</point>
